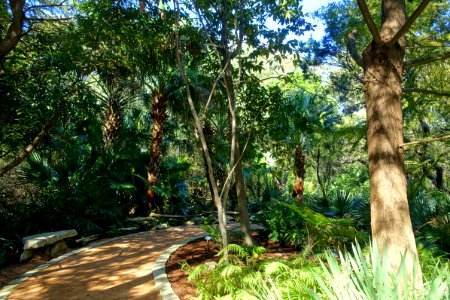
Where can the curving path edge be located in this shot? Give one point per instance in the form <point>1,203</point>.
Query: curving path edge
<point>62,276</point>
<point>159,270</point>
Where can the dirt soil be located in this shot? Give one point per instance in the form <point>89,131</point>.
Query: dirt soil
<point>195,253</point>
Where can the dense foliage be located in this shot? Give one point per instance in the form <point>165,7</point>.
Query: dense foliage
<point>95,129</point>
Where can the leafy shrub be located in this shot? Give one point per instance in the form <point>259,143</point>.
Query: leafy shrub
<point>9,250</point>
<point>283,224</point>
<point>430,215</point>
<point>354,206</point>
<point>172,186</point>
<point>328,232</point>
<point>213,231</point>
<point>301,226</point>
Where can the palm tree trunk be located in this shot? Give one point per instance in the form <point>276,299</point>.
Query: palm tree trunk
<point>299,174</point>
<point>159,117</point>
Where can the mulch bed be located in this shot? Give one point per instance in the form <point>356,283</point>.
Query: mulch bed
<point>195,253</point>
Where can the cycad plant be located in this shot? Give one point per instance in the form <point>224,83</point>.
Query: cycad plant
<point>430,215</point>
<point>355,206</point>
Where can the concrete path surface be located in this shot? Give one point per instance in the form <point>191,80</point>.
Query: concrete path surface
<point>119,269</point>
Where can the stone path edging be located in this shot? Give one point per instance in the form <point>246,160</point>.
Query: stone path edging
<point>9,287</point>
<point>159,270</point>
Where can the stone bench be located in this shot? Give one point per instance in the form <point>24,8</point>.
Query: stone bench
<point>51,242</point>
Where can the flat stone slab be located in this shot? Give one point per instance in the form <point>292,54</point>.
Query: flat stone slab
<point>47,238</point>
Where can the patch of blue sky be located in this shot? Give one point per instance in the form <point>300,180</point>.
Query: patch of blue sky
<point>309,7</point>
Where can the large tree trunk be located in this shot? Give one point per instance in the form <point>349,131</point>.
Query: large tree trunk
<point>159,117</point>
<point>383,68</point>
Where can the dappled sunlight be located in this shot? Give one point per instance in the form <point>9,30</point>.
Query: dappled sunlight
<point>121,269</point>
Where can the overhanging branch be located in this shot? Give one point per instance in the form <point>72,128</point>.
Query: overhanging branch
<point>369,21</point>
<point>25,152</point>
<point>351,46</point>
<point>14,33</point>
<point>424,141</point>
<point>424,61</point>
<point>408,23</point>
<point>425,91</point>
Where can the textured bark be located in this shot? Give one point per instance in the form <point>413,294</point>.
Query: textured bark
<point>325,203</point>
<point>159,117</point>
<point>299,174</point>
<point>24,154</point>
<point>242,202</point>
<point>112,123</point>
<point>383,68</point>
<point>12,38</point>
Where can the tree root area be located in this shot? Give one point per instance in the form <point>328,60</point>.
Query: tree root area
<point>198,252</point>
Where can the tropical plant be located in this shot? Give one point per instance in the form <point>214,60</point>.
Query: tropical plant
<point>301,226</point>
<point>361,276</point>
<point>430,215</point>
<point>249,277</point>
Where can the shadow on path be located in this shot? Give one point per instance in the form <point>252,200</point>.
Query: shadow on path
<point>120,269</point>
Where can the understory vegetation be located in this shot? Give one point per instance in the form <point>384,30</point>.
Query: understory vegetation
<point>117,113</point>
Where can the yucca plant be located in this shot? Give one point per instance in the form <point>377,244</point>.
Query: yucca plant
<point>368,277</point>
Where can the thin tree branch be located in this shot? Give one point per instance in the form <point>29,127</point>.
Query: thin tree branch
<point>423,61</point>
<point>216,197</point>
<point>424,141</point>
<point>24,154</point>
<point>240,32</point>
<point>369,21</point>
<point>234,167</point>
<point>351,46</point>
<point>408,23</point>
<point>213,89</point>
<point>49,19</point>
<point>14,33</point>
<point>425,91</point>
<point>46,5</point>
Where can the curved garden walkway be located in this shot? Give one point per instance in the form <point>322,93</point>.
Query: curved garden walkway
<point>118,269</point>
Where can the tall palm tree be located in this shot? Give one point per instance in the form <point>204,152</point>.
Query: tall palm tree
<point>115,92</point>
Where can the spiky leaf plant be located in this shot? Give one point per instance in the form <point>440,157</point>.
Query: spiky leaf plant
<point>115,92</point>
<point>368,277</point>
